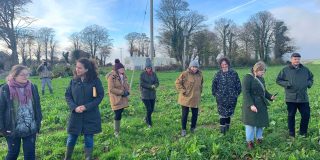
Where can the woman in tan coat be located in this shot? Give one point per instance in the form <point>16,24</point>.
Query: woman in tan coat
<point>118,89</point>
<point>189,86</point>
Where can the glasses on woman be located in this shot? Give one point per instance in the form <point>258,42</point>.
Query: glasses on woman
<point>24,74</point>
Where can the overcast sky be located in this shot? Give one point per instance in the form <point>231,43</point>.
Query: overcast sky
<point>121,17</point>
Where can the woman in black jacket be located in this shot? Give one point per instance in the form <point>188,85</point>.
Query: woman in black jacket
<point>20,113</point>
<point>148,84</point>
<point>226,87</point>
<point>83,96</point>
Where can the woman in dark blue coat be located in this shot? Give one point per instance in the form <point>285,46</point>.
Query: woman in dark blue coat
<point>226,87</point>
<point>83,96</point>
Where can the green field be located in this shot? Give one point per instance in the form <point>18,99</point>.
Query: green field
<point>163,140</point>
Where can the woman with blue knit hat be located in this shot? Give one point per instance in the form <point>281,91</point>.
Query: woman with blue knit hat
<point>148,84</point>
<point>189,85</point>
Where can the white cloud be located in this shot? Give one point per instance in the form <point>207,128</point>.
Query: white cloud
<point>303,27</point>
<point>66,17</point>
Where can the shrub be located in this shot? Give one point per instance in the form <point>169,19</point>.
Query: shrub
<point>172,67</point>
<point>62,70</point>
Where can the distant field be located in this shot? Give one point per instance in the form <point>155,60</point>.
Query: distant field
<point>163,140</point>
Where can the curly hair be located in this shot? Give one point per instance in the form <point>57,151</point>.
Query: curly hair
<point>225,59</point>
<point>91,66</point>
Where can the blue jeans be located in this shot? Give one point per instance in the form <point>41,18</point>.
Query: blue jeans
<point>14,144</point>
<point>72,140</point>
<point>252,131</point>
<point>45,81</point>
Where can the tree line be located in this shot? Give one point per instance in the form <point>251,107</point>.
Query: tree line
<point>262,37</point>
<point>33,44</point>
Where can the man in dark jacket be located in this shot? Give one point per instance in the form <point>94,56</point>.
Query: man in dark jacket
<point>296,79</point>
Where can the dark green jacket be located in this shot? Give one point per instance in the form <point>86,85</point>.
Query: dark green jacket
<point>254,94</point>
<point>81,93</point>
<point>296,82</point>
<point>146,81</point>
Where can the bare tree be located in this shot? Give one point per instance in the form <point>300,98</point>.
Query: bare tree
<point>226,32</point>
<point>93,37</point>
<point>52,46</point>
<point>23,38</point>
<point>132,38</point>
<point>11,21</point>
<point>206,43</point>
<point>76,40</point>
<point>246,39</point>
<point>38,42</point>
<point>282,43</point>
<point>175,18</point>
<point>262,30</point>
<point>30,44</point>
<point>45,34</point>
<point>105,52</point>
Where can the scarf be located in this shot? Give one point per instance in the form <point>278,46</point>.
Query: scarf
<point>15,92</point>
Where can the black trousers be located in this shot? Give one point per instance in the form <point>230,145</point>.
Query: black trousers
<point>225,121</point>
<point>184,117</point>
<point>149,103</point>
<point>304,110</point>
<point>118,114</point>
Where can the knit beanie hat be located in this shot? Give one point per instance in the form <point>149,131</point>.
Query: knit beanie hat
<point>148,63</point>
<point>194,63</point>
<point>117,64</point>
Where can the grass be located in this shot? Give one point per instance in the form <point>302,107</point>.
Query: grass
<point>163,140</point>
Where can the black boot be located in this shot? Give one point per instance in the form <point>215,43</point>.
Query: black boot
<point>51,91</point>
<point>69,153</point>
<point>42,92</point>
<point>223,129</point>
<point>88,153</point>
<point>227,127</point>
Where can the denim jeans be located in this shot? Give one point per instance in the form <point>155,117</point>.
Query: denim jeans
<point>28,146</point>
<point>45,81</point>
<point>72,140</point>
<point>304,110</point>
<point>252,131</point>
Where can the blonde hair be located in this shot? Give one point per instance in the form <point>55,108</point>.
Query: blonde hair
<point>15,71</point>
<point>259,66</point>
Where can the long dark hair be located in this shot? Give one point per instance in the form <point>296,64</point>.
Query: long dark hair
<point>92,68</point>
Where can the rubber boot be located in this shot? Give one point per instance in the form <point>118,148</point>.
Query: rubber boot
<point>51,91</point>
<point>223,129</point>
<point>116,128</point>
<point>88,153</point>
<point>227,127</point>
<point>69,153</point>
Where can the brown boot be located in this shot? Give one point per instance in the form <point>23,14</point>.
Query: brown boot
<point>250,145</point>
<point>259,141</point>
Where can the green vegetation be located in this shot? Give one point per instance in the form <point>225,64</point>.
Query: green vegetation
<point>163,140</point>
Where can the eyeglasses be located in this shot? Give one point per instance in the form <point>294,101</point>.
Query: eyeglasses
<point>24,74</point>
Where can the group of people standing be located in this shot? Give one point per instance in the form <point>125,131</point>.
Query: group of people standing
<point>20,109</point>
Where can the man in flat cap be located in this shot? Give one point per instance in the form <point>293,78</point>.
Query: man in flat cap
<point>296,79</point>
